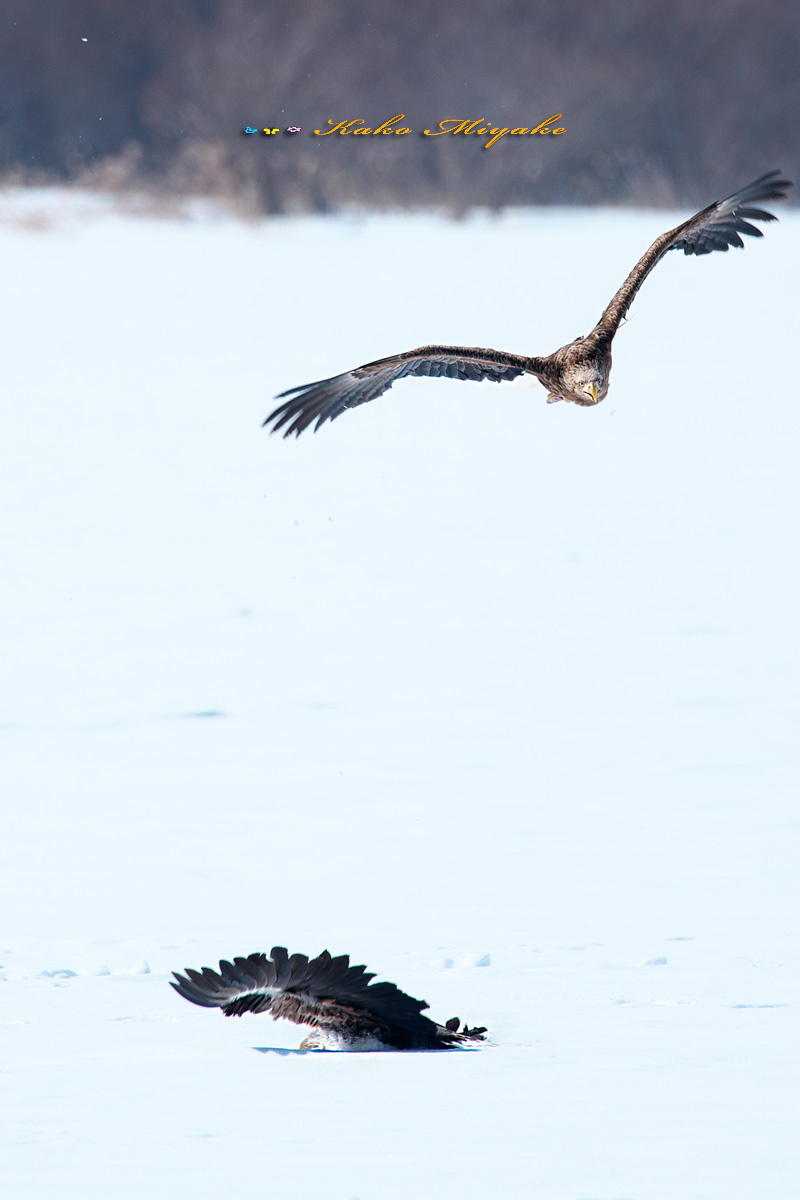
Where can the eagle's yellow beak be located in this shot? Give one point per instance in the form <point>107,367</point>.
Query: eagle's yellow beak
<point>592,390</point>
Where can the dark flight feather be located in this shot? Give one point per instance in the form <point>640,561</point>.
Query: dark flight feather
<point>714,228</point>
<point>329,398</point>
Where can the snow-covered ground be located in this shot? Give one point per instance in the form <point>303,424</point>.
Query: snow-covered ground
<point>499,698</point>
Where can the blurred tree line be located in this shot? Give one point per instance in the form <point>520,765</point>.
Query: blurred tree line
<point>663,102</point>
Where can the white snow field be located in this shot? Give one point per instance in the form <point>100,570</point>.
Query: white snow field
<point>496,697</point>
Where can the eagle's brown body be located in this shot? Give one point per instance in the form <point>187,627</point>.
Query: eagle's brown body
<point>578,372</point>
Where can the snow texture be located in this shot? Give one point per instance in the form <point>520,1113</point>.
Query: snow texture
<point>499,699</point>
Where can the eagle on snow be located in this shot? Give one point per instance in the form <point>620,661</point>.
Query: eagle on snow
<point>344,1009</point>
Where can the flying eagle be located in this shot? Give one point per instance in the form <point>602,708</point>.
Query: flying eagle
<point>578,372</point>
<point>345,1010</point>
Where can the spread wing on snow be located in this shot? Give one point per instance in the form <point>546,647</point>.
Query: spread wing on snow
<point>325,992</point>
<point>316,403</point>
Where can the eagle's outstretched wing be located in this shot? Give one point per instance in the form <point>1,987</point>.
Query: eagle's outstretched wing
<point>714,228</point>
<point>328,398</point>
<point>323,992</point>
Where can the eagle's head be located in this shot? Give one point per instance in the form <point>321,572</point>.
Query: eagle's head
<point>586,388</point>
<point>583,374</point>
<point>589,388</point>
